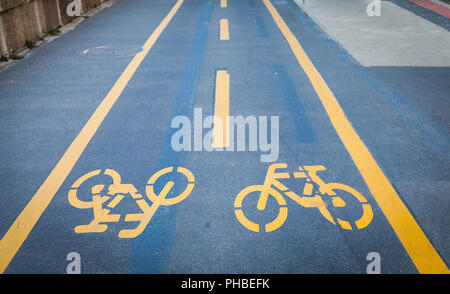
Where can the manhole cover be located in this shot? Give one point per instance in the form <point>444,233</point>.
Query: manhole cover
<point>111,52</point>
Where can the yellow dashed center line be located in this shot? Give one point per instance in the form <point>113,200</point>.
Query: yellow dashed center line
<point>223,3</point>
<point>224,32</point>
<point>221,110</point>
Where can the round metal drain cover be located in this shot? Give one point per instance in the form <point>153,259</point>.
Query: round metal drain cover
<point>111,52</point>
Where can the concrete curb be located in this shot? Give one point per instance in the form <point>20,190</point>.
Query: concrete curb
<point>31,21</point>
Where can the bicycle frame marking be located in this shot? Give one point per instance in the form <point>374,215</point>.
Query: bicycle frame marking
<point>272,186</point>
<point>116,192</point>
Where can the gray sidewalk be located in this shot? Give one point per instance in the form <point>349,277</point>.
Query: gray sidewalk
<point>397,37</point>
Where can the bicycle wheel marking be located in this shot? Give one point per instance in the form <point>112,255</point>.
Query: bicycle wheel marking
<point>116,192</point>
<point>272,226</point>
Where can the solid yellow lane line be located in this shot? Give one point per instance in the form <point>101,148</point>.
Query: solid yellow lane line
<point>419,248</point>
<point>224,32</point>
<point>221,110</point>
<point>22,226</point>
<point>223,3</point>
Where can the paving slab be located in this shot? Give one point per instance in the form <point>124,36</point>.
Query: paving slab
<point>397,37</point>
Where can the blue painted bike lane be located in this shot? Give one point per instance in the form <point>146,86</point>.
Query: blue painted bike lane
<point>202,234</point>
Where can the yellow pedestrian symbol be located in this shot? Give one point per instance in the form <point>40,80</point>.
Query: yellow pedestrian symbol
<point>331,191</point>
<point>116,192</point>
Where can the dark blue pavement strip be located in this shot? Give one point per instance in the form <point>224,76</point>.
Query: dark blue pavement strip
<point>427,14</point>
<point>304,131</point>
<point>261,27</point>
<point>151,250</point>
<point>46,99</point>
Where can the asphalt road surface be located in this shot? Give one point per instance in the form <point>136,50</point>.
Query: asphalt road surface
<point>109,148</point>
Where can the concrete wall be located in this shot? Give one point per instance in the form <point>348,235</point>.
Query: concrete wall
<point>22,20</point>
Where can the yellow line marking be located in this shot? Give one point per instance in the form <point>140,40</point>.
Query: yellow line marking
<point>419,248</point>
<point>223,3</point>
<point>116,201</point>
<point>224,32</point>
<point>221,110</point>
<point>22,226</point>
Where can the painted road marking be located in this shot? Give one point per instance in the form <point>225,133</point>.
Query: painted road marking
<point>419,248</point>
<point>223,3</point>
<point>433,6</point>
<point>22,226</point>
<point>116,191</point>
<point>224,32</point>
<point>273,187</point>
<point>221,110</point>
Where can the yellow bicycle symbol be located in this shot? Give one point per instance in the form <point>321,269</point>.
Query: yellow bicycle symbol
<point>317,201</point>
<point>116,192</point>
